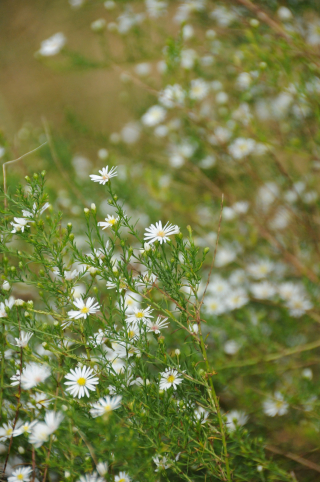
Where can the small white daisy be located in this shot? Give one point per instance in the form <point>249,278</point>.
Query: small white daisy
<point>105,175</point>
<point>26,427</point>
<point>52,45</point>
<point>6,431</point>
<point>158,233</point>
<point>81,381</point>
<point>275,405</point>
<point>20,475</point>
<point>19,224</point>
<point>105,405</point>
<point>170,378</point>
<point>3,313</point>
<point>158,325</point>
<point>235,419</point>
<point>122,477</point>
<point>85,308</point>
<point>24,338</point>
<point>91,478</point>
<point>139,314</point>
<point>32,374</point>
<point>108,222</point>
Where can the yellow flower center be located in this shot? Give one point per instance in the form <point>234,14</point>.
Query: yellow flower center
<point>84,310</point>
<point>81,381</point>
<point>122,285</point>
<point>279,403</point>
<point>9,431</point>
<point>161,234</point>
<point>105,177</point>
<point>171,378</point>
<point>19,476</point>
<point>112,221</point>
<point>107,408</point>
<point>139,314</point>
<point>131,334</point>
<point>122,480</point>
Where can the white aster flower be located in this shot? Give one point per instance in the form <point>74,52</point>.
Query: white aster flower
<point>70,275</point>
<point>19,224</point>
<point>215,305</point>
<point>40,434</point>
<point>263,290</point>
<point>23,340</point>
<point>85,308</point>
<point>131,301</point>
<point>6,431</point>
<point>198,89</point>
<point>35,211</point>
<point>156,8</point>
<point>299,305</point>
<point>156,326</point>
<point>32,374</point>
<point>236,418</point>
<point>140,315</point>
<point>108,222</point>
<point>38,401</point>
<point>22,474</point>
<point>105,175</point>
<point>237,299</point>
<point>231,347</point>
<point>91,478</point>
<point>154,116</point>
<point>53,420</point>
<point>102,468</point>
<point>170,378</point>
<point>10,302</point>
<point>25,427</point>
<point>105,405</point>
<point>52,45</point>
<point>122,477</point>
<point>81,381</point>
<point>275,405</point>
<point>241,148</point>
<point>3,313</point>
<point>172,95</point>
<point>158,233</point>
<point>261,269</point>
<point>201,414</point>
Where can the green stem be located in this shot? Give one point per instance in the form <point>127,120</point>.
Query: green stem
<point>215,400</point>
<point>2,367</point>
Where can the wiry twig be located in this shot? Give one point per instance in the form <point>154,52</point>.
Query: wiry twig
<point>296,458</point>
<point>11,162</point>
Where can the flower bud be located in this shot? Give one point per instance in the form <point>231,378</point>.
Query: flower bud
<point>35,176</point>
<point>254,22</point>
<point>93,207</point>
<point>206,250</point>
<point>177,352</point>
<point>43,173</point>
<point>69,227</point>
<point>30,304</point>
<point>27,178</point>
<point>6,286</point>
<point>86,211</point>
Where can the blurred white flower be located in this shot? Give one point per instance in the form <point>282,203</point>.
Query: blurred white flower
<point>52,45</point>
<point>275,405</point>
